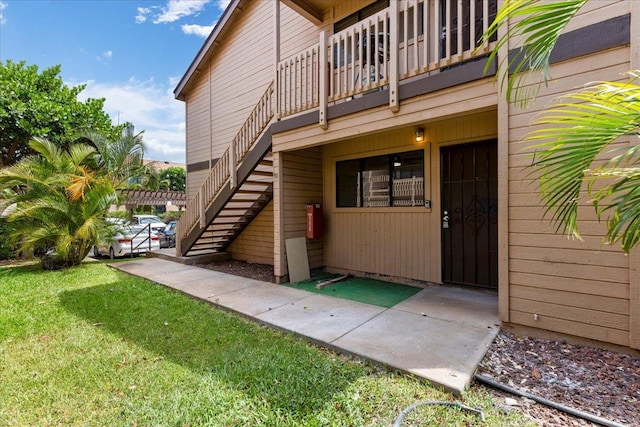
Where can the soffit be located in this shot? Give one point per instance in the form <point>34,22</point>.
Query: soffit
<point>313,10</point>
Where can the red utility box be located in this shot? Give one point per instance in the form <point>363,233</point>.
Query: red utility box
<point>314,221</point>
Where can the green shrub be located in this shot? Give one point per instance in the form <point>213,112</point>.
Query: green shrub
<point>7,251</point>
<point>171,216</point>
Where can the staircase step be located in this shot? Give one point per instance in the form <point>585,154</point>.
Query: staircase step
<point>245,214</point>
<point>213,240</point>
<point>254,192</point>
<point>220,234</point>
<point>226,220</point>
<point>221,227</point>
<point>207,245</point>
<point>217,233</point>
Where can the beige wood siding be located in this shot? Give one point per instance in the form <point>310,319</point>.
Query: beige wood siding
<point>476,96</point>
<point>575,287</point>
<point>194,181</point>
<point>198,140</point>
<point>255,243</point>
<point>299,184</point>
<point>401,243</point>
<point>235,77</point>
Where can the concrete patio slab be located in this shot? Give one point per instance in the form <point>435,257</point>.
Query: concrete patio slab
<point>446,353</point>
<point>475,308</point>
<point>208,288</point>
<point>440,333</point>
<point>146,267</point>
<point>320,317</point>
<point>258,299</point>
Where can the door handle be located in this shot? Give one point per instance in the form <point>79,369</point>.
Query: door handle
<point>445,219</point>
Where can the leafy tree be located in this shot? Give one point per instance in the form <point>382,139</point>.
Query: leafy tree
<point>60,202</point>
<point>586,125</point>
<point>39,104</point>
<point>176,177</point>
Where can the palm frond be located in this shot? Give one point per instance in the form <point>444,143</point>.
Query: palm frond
<point>574,135</point>
<point>536,27</point>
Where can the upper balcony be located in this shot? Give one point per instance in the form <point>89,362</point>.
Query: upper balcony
<point>407,40</point>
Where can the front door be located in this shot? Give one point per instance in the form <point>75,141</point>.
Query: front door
<point>469,194</point>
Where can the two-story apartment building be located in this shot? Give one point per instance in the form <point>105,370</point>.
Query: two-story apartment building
<point>382,112</point>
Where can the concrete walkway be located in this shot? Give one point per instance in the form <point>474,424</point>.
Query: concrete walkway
<point>440,333</point>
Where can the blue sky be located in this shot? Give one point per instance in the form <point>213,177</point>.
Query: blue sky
<point>131,52</point>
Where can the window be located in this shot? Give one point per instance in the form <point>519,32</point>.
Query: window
<point>381,181</point>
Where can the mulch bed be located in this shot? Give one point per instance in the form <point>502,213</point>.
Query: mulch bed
<point>600,382</point>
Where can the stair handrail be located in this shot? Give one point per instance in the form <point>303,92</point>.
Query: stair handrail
<point>226,166</point>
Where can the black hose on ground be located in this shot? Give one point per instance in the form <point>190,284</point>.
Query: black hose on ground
<point>408,409</point>
<point>550,403</point>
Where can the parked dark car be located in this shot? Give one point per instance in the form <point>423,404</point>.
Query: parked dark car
<point>168,235</point>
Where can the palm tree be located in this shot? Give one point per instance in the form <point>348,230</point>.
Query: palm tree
<point>60,203</point>
<point>577,129</point>
<point>122,159</point>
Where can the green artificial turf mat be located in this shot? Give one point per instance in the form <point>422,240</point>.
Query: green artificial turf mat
<point>368,291</point>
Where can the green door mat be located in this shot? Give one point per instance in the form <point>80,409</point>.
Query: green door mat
<point>368,291</point>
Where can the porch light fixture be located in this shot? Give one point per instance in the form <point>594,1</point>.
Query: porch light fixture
<point>396,161</point>
<point>419,135</point>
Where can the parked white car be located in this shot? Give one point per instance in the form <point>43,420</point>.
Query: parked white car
<point>156,223</point>
<point>129,240</point>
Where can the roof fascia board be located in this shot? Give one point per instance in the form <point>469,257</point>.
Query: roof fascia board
<point>194,69</point>
<point>305,9</point>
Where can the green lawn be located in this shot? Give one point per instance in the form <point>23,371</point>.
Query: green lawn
<point>93,346</point>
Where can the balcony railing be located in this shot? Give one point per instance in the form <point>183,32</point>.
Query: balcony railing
<point>407,39</point>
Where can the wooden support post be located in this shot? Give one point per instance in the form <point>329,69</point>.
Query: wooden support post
<point>394,103</point>
<point>634,255</point>
<point>276,54</point>
<point>279,255</point>
<point>323,94</point>
<point>201,208</point>
<point>504,285</point>
<point>233,168</point>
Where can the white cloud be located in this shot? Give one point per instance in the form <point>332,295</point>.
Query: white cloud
<point>105,56</point>
<point>177,9</point>
<point>149,106</point>
<point>142,14</point>
<point>3,6</point>
<point>222,4</point>
<point>199,30</point>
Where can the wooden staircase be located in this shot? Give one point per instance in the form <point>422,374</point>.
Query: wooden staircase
<point>238,187</point>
